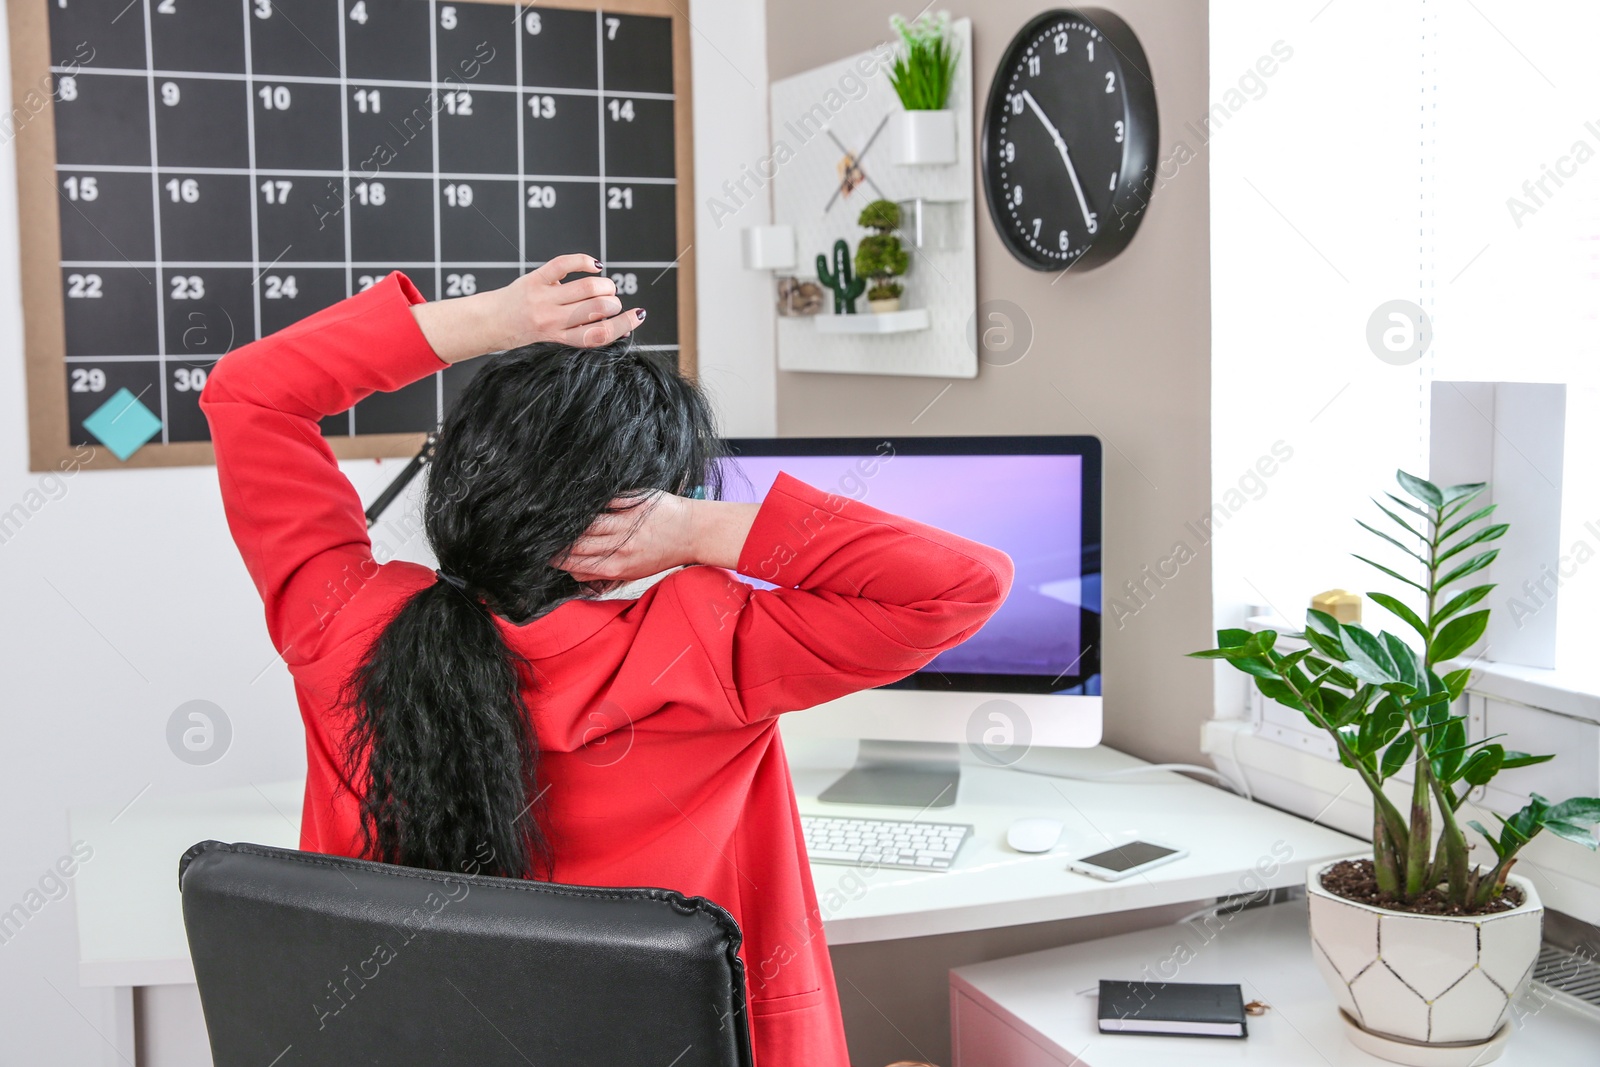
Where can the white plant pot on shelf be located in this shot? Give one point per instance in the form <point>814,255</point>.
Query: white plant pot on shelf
<point>923,138</point>
<point>1424,989</point>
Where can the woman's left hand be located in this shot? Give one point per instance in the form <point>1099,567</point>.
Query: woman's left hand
<point>645,535</point>
<point>638,537</point>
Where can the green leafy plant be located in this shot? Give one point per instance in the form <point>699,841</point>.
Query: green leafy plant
<point>880,256</point>
<point>1386,707</point>
<point>925,65</point>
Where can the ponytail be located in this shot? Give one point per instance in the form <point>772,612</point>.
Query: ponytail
<point>450,752</point>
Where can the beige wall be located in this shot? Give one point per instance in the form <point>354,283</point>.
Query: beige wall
<point>1128,343</point>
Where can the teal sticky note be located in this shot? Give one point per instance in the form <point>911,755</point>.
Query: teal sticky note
<point>123,424</point>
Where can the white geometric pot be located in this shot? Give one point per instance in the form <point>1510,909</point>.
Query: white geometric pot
<point>922,138</point>
<point>1437,981</point>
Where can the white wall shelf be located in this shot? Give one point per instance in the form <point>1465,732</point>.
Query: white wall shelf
<point>874,322</point>
<point>821,134</point>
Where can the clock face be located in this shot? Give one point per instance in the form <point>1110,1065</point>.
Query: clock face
<point>1069,140</point>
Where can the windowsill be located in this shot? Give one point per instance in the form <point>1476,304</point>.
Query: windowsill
<point>1566,692</point>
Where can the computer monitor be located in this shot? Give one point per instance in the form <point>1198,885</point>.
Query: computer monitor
<point>1031,675</point>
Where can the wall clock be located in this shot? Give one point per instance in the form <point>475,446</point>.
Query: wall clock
<point>1069,139</point>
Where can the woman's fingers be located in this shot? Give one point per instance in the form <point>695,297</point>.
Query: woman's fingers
<point>582,289</point>
<point>594,545</point>
<point>623,542</point>
<point>606,331</point>
<point>587,311</point>
<point>586,553</point>
<point>552,271</point>
<point>621,517</point>
<point>591,568</point>
<point>600,540</point>
<point>583,313</point>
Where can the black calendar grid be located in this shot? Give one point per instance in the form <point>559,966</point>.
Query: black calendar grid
<point>227,168</point>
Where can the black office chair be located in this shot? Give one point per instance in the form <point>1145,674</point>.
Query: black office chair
<point>306,960</point>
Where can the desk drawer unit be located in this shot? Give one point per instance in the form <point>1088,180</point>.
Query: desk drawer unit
<point>981,1037</point>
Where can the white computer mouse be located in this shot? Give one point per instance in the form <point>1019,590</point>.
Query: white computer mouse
<point>1034,835</point>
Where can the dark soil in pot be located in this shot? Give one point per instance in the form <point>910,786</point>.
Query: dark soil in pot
<point>1354,880</point>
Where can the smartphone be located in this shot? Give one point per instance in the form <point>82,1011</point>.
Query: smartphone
<point>1126,860</point>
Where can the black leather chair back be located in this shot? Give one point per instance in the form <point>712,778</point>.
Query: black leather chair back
<point>306,960</point>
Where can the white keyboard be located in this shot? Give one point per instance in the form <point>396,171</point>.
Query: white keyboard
<point>853,842</point>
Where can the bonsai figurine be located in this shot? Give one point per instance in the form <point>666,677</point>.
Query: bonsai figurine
<point>880,256</point>
<point>842,280</point>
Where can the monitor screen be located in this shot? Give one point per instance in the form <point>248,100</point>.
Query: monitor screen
<point>1035,498</point>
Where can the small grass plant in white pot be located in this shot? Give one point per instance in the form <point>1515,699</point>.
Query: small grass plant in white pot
<point>1423,948</point>
<point>923,71</point>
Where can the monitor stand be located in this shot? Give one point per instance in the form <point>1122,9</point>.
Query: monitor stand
<point>909,774</point>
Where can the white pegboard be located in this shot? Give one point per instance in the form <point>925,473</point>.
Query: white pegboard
<point>808,161</point>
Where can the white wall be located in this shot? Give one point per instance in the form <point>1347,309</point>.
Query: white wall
<point>737,307</point>
<point>125,596</point>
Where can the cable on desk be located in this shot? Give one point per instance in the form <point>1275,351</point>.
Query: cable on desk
<point>1233,757</point>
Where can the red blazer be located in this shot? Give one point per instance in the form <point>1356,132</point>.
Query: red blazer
<point>656,717</point>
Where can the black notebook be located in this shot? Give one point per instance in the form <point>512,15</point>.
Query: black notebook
<point>1185,1009</point>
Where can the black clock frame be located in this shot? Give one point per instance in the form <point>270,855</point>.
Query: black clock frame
<point>1136,178</point>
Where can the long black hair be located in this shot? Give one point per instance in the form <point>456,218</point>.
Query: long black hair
<point>538,445</point>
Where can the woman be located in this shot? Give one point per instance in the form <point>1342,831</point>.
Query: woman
<point>497,716</point>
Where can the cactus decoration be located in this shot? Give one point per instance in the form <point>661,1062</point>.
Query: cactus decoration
<point>842,279</point>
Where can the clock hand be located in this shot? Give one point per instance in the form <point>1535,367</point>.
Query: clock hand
<point>1061,146</point>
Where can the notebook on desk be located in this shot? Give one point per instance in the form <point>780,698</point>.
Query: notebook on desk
<point>1183,1009</point>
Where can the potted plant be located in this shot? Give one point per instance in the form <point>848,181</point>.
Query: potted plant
<point>923,72</point>
<point>880,257</point>
<point>1423,948</point>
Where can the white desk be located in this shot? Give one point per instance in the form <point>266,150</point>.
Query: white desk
<point>130,927</point>
<point>1031,1011</point>
<point>991,885</point>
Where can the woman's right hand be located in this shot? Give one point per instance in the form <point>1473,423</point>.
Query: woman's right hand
<point>583,313</point>
<point>538,306</point>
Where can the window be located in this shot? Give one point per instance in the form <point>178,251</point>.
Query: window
<point>1443,154</point>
